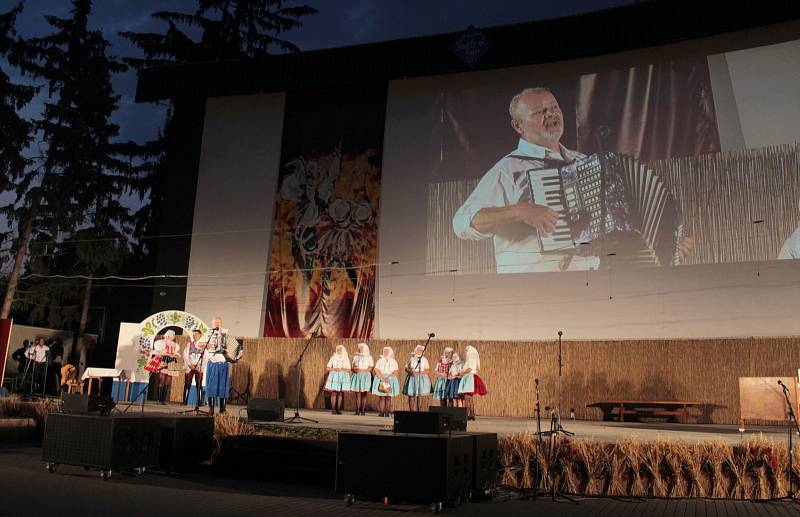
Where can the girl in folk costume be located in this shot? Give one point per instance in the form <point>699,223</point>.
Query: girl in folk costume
<point>385,384</point>
<point>453,380</point>
<point>338,378</point>
<point>442,369</point>
<point>417,384</point>
<point>164,361</point>
<point>470,383</point>
<point>361,379</point>
<point>193,367</point>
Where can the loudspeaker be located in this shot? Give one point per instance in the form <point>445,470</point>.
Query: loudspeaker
<point>456,416</point>
<point>186,440</point>
<point>275,458</point>
<point>81,404</point>
<point>265,410</point>
<point>420,422</point>
<point>105,442</point>
<point>486,464</point>
<point>408,467</point>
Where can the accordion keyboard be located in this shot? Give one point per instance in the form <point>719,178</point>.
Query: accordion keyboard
<point>545,186</point>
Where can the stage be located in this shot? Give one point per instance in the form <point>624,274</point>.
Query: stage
<point>609,432</point>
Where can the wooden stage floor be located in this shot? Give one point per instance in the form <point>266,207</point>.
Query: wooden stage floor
<point>600,431</point>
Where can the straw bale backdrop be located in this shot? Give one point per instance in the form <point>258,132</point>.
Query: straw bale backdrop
<point>701,370</point>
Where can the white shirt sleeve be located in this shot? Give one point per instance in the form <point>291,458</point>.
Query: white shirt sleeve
<point>791,247</point>
<point>330,362</point>
<point>488,193</point>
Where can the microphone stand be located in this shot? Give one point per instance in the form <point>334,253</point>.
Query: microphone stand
<point>538,412</point>
<point>297,418</point>
<point>558,428</point>
<point>792,418</point>
<point>419,368</point>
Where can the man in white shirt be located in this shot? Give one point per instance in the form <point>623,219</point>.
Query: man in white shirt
<point>500,207</point>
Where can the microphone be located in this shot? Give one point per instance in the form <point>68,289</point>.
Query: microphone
<point>431,335</point>
<point>536,381</point>
<point>779,382</point>
<point>559,333</point>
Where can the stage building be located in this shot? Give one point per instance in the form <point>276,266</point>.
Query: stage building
<point>350,192</point>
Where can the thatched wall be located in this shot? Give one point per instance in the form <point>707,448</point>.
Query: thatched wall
<point>704,370</point>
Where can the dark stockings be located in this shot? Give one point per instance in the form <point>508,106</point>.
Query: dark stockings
<point>361,402</point>
<point>164,384</point>
<point>337,402</point>
<point>469,404</point>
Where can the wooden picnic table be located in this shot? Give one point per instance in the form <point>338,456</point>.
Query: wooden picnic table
<point>632,410</point>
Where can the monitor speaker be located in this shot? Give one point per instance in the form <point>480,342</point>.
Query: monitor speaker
<point>80,404</point>
<point>420,422</point>
<point>456,416</point>
<point>265,410</point>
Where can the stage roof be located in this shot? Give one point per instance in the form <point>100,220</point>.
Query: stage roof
<point>623,28</point>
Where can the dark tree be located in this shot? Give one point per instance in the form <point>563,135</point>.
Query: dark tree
<point>228,29</point>
<point>90,169</point>
<point>15,136</point>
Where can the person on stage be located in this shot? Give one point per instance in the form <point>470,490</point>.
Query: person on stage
<point>217,369</point>
<point>453,380</point>
<point>361,379</point>
<point>338,378</point>
<point>470,383</point>
<point>442,368</point>
<point>164,361</point>
<point>417,384</point>
<point>193,356</point>
<point>38,355</point>
<point>385,384</point>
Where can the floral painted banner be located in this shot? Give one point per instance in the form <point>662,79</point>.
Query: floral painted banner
<point>324,243</point>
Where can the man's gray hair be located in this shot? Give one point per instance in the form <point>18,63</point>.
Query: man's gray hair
<point>512,106</point>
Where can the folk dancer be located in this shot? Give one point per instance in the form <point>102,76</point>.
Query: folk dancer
<point>453,380</point>
<point>361,378</point>
<point>217,370</point>
<point>338,378</point>
<point>164,362</point>
<point>471,384</point>
<point>417,384</point>
<point>442,368</point>
<point>385,384</point>
<point>193,356</point>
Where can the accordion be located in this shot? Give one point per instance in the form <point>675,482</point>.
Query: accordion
<point>608,204</point>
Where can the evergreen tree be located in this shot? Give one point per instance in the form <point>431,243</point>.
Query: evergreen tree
<point>229,29</point>
<point>91,169</point>
<point>15,136</point>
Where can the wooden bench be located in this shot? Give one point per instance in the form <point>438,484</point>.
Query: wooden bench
<point>632,410</point>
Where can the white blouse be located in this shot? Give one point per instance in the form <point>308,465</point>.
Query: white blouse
<point>338,362</point>
<point>413,364</point>
<point>386,365</point>
<point>363,362</point>
<point>472,364</point>
<point>456,368</point>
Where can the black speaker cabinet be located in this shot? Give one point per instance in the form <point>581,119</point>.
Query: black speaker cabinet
<point>105,442</point>
<point>408,467</point>
<point>456,416</point>
<point>486,464</point>
<point>265,410</point>
<point>420,422</point>
<point>288,460</point>
<point>186,440</point>
<point>80,404</point>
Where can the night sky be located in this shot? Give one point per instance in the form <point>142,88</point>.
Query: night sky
<point>339,23</point>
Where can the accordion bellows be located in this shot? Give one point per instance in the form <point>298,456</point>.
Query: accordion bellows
<point>610,204</point>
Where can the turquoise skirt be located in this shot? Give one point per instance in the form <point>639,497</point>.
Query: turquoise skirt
<point>439,388</point>
<point>419,386</point>
<point>338,381</point>
<point>361,381</point>
<point>394,388</point>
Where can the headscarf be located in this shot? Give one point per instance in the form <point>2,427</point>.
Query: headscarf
<point>363,349</point>
<point>473,360</point>
<point>447,355</point>
<point>414,352</point>
<point>455,366</point>
<point>387,364</point>
<point>341,351</point>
